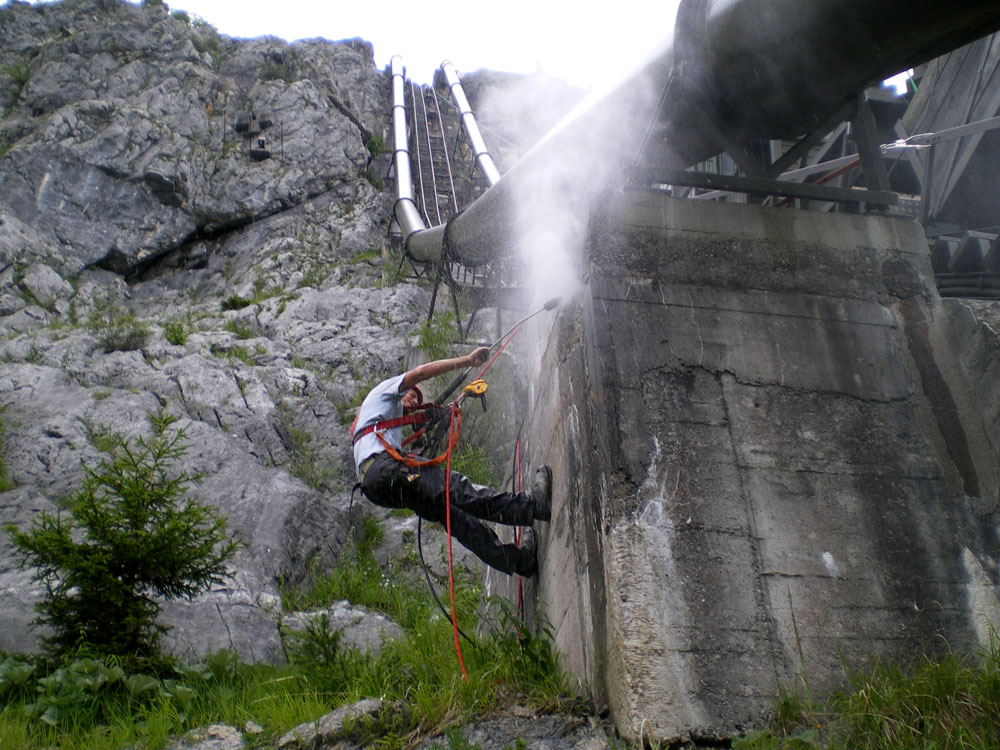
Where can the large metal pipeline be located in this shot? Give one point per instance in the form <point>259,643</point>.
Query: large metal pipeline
<point>421,243</point>
<point>780,68</point>
<point>733,70</point>
<point>481,154</point>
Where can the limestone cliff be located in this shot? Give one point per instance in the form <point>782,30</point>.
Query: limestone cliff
<point>134,183</point>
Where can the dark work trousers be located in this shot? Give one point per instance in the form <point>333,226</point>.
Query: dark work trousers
<point>392,484</point>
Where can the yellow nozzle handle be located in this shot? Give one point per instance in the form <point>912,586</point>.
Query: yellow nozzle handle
<point>475,388</point>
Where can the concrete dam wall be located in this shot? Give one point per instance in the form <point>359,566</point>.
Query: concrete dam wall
<point>768,459</point>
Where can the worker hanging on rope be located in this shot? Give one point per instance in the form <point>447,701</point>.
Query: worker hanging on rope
<point>391,478</point>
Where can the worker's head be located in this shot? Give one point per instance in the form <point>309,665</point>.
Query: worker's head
<point>412,399</point>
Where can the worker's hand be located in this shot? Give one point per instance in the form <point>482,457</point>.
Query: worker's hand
<point>480,355</point>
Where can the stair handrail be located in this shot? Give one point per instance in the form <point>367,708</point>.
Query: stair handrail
<point>482,155</point>
<point>447,158</point>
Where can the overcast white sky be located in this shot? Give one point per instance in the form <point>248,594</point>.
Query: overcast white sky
<point>577,42</point>
<point>583,44</point>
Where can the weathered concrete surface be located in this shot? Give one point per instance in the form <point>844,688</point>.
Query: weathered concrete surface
<point>766,458</point>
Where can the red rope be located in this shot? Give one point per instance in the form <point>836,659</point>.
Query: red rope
<point>517,530</point>
<point>447,518</point>
<point>452,440</point>
<point>500,349</point>
<point>517,461</point>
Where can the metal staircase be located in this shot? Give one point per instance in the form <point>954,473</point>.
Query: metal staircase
<point>432,163</point>
<point>450,168</point>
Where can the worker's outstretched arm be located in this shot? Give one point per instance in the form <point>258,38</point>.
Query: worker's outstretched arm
<point>440,366</point>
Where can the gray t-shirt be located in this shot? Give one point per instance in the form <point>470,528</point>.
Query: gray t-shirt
<point>383,402</point>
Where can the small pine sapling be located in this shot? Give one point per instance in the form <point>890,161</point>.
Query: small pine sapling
<point>129,539</point>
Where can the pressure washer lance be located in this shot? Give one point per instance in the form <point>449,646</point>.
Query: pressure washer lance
<point>551,304</point>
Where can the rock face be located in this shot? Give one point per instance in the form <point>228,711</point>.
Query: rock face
<point>773,448</point>
<point>198,224</point>
<point>148,260</point>
<point>121,137</point>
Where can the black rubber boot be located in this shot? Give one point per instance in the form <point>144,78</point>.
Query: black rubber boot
<point>541,494</point>
<point>527,558</point>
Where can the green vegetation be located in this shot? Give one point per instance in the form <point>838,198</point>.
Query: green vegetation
<point>242,330</point>
<point>438,335</point>
<point>182,16</point>
<point>421,669</point>
<point>261,292</point>
<point>98,704</point>
<point>306,463</point>
<point>375,145</point>
<point>6,483</point>
<point>271,70</point>
<point>373,179</point>
<point>474,462</point>
<point>364,256</point>
<point>236,302</point>
<point>236,352</point>
<point>18,72</point>
<point>175,331</point>
<point>99,436</point>
<point>207,40</point>
<point>116,328</point>
<point>947,703</point>
<point>130,534</point>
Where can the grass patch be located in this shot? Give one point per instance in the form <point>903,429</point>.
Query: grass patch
<point>365,256</point>
<point>306,464</point>
<point>241,353</point>
<point>175,332</point>
<point>421,670</point>
<point>116,328</point>
<point>271,70</point>
<point>235,302</point>
<point>101,708</point>
<point>373,179</point>
<point>474,462</point>
<point>261,292</point>
<point>207,40</point>
<point>375,145</point>
<point>242,330</point>
<point>91,704</point>
<point>946,703</point>
<point>6,483</point>
<point>438,335</point>
<point>19,74</point>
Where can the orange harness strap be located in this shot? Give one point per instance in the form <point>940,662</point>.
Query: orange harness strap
<point>414,462</point>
